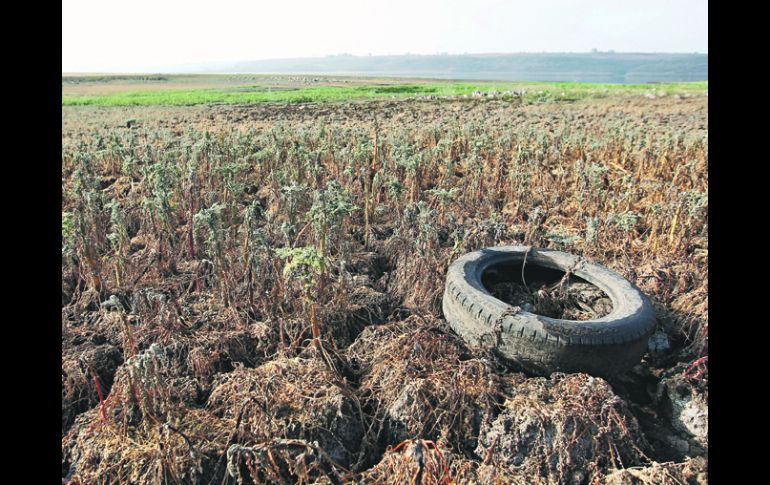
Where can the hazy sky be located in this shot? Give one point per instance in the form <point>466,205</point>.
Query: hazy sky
<point>146,35</point>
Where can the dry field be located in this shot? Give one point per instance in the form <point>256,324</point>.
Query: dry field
<point>91,84</point>
<point>253,293</point>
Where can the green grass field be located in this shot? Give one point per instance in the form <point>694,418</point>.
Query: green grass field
<point>248,94</point>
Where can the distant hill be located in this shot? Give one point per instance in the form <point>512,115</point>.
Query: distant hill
<point>606,67</point>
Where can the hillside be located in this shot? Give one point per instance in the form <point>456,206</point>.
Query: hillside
<point>579,67</point>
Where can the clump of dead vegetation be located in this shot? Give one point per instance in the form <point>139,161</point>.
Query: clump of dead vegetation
<point>297,398</point>
<point>87,375</point>
<point>421,382</point>
<point>564,299</point>
<point>182,449</point>
<point>565,429</point>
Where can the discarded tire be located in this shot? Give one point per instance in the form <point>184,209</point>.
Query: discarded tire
<point>604,346</point>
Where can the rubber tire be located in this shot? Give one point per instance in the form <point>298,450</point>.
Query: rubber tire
<point>604,347</point>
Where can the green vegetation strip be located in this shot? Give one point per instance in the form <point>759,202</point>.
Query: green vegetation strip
<point>260,94</point>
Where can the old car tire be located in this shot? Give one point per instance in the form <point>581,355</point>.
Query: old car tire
<point>605,346</point>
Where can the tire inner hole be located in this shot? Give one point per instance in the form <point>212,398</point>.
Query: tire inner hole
<point>546,291</point>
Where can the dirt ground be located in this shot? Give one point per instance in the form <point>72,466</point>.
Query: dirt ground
<point>252,293</point>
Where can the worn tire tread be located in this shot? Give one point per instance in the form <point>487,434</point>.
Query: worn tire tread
<point>608,345</point>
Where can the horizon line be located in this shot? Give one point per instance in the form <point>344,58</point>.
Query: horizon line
<point>408,54</point>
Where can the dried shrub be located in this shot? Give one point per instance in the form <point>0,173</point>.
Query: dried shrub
<point>186,451</point>
<point>291,398</point>
<point>567,429</point>
<point>86,372</point>
<point>422,383</point>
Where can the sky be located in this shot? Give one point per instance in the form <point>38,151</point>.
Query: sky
<point>148,35</point>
